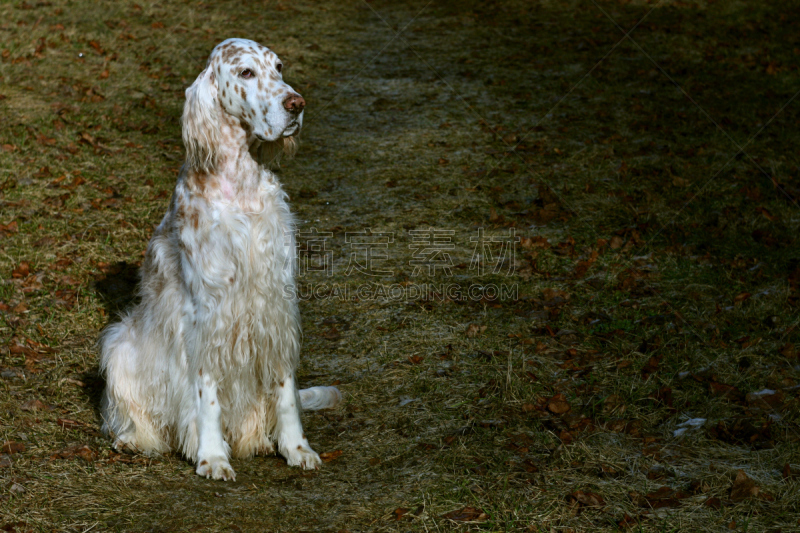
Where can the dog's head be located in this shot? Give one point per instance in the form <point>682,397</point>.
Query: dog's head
<point>242,79</point>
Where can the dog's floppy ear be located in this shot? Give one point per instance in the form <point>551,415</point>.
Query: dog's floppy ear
<point>271,152</point>
<point>200,122</point>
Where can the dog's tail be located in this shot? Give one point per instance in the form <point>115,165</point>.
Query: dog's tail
<point>314,398</point>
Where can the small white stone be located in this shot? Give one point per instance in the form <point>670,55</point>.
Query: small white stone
<point>693,423</point>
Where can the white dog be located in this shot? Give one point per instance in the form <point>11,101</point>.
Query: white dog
<point>206,362</point>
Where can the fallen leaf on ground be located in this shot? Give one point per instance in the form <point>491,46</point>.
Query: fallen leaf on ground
<point>651,367</point>
<point>330,456</point>
<point>713,502</point>
<point>125,458</point>
<point>724,390</point>
<point>586,499</point>
<point>534,242</point>
<point>467,514</point>
<point>789,472</point>
<point>741,297</point>
<point>399,512</point>
<point>558,404</point>
<point>663,497</point>
<point>744,487</point>
<point>473,330</point>
<point>66,423</point>
<point>552,294</point>
<point>788,350</point>
<point>79,450</point>
<point>332,334</point>
<point>583,266</point>
<point>627,522</point>
<point>12,447</point>
<point>33,405</point>
<point>8,229</point>
<point>766,399</point>
<point>22,270</point>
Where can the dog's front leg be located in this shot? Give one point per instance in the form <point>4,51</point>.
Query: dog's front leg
<point>213,451</point>
<point>292,442</point>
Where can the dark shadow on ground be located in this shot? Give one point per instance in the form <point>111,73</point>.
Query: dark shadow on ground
<point>117,290</point>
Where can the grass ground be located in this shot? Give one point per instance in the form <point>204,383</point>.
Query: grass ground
<point>640,370</point>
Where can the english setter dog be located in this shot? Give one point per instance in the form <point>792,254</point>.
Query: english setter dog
<point>205,363</point>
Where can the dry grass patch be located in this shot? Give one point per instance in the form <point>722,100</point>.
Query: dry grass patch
<point>640,372</point>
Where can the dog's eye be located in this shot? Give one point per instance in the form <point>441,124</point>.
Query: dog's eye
<point>279,67</point>
<point>246,73</point>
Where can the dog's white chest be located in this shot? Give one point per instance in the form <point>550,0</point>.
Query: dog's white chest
<point>237,259</point>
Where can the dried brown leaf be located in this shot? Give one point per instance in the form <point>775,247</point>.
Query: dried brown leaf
<point>587,499</point>
<point>332,334</point>
<point>466,514</point>
<point>79,450</point>
<point>741,297</point>
<point>33,405</point>
<point>22,270</point>
<point>330,456</point>
<point>473,330</point>
<point>11,447</point>
<point>558,404</point>
<point>744,487</point>
<point>399,512</point>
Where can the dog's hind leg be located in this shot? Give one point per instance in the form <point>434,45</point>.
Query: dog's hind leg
<point>123,410</point>
<point>250,437</point>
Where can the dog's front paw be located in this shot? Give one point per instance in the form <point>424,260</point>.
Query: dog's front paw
<point>216,468</point>
<point>302,456</point>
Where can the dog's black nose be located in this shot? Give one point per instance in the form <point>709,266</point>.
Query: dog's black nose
<point>294,103</point>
